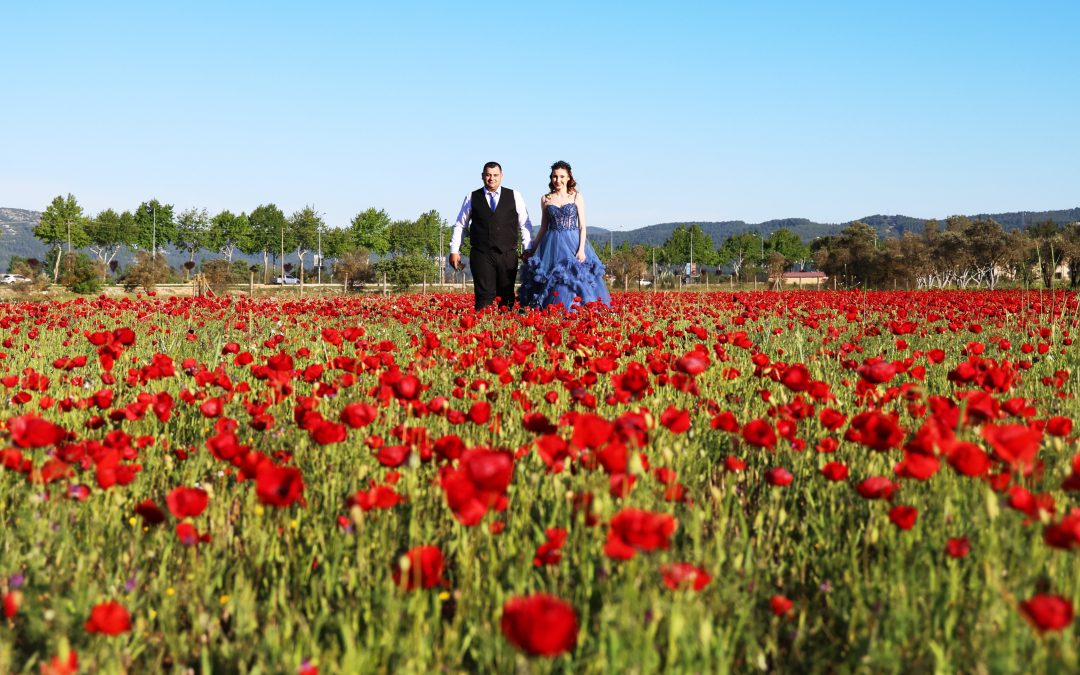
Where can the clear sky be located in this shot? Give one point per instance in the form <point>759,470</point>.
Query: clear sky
<point>668,111</point>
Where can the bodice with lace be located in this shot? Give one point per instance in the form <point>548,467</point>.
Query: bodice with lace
<point>561,217</point>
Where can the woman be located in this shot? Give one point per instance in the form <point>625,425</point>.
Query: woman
<point>561,266</point>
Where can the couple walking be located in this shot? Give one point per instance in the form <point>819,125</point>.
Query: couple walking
<point>560,266</point>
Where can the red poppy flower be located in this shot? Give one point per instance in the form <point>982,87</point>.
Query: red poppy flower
<point>957,547</point>
<point>796,377</point>
<point>1015,444</point>
<point>407,388</point>
<point>185,502</point>
<point>733,464</point>
<point>759,433</point>
<point>832,419</point>
<point>1066,533</point>
<point>62,665</point>
<point>480,412</point>
<point>835,471</point>
<point>780,605</point>
<point>477,484</point>
<point>279,485</point>
<point>30,431</point>
<point>420,567</point>
<point>327,433</point>
<point>876,487</point>
<point>1048,612</point>
<point>378,497</point>
<point>1059,426</point>
<point>632,530</point>
<point>12,602</point>
<point>554,451</point>
<point>903,517</point>
<point>778,476</point>
<point>875,430</point>
<point>550,552</point>
<point>212,407</point>
<point>877,373</point>
<point>684,575</point>
<point>359,415</point>
<point>189,536</point>
<point>108,618</point>
<point>675,419</point>
<point>540,624</point>
<point>693,363</point>
<point>917,466</point>
<point>633,383</point>
<point>969,459</point>
<point>591,431</point>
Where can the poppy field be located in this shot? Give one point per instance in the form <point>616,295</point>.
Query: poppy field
<point>685,482</point>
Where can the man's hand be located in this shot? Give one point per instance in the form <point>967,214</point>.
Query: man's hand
<point>455,261</point>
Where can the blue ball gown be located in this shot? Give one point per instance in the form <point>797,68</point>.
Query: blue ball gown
<point>553,274</point>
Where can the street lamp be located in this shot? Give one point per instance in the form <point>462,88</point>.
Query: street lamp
<point>152,207</point>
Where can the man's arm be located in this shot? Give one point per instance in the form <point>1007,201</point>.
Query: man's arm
<point>460,225</point>
<point>523,220</point>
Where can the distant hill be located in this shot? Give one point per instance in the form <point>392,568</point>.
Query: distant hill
<point>17,231</point>
<point>17,235</point>
<point>808,230</point>
<point>17,239</point>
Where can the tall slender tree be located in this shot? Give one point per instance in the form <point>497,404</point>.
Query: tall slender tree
<point>370,229</point>
<point>62,225</point>
<point>108,232</point>
<point>304,228</point>
<point>192,229</point>
<point>155,226</point>
<point>268,226</point>
<point>229,232</point>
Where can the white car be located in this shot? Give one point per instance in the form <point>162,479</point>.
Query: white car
<point>13,279</point>
<point>287,280</point>
<point>644,282</point>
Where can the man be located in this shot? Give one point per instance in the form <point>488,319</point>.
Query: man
<point>494,217</point>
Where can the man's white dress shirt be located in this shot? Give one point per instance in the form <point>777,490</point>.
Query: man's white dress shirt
<point>465,217</point>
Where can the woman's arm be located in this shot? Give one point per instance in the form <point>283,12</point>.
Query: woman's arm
<point>580,201</point>
<point>543,225</point>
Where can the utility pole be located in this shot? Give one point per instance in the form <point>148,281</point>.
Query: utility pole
<point>320,254</point>
<point>152,206</point>
<point>690,277</point>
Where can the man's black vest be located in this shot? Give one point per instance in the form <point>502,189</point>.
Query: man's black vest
<point>496,231</point>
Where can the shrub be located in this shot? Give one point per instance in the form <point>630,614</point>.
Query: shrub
<point>146,272</point>
<point>80,274</point>
<point>405,270</point>
<point>354,266</point>
<point>219,275</point>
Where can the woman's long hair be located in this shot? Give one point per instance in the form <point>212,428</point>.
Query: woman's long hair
<point>571,185</point>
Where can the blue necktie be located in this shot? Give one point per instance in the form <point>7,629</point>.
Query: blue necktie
<point>491,198</point>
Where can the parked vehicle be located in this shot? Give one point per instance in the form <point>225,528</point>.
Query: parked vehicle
<point>286,280</point>
<point>13,279</point>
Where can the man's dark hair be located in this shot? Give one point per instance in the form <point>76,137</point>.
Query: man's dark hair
<point>493,165</point>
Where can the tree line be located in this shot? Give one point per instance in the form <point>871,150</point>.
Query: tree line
<point>743,254</point>
<point>65,227</point>
<point>960,252</point>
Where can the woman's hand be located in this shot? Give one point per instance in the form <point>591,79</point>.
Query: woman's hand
<point>581,256</point>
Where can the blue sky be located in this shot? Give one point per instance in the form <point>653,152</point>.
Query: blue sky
<point>676,111</point>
